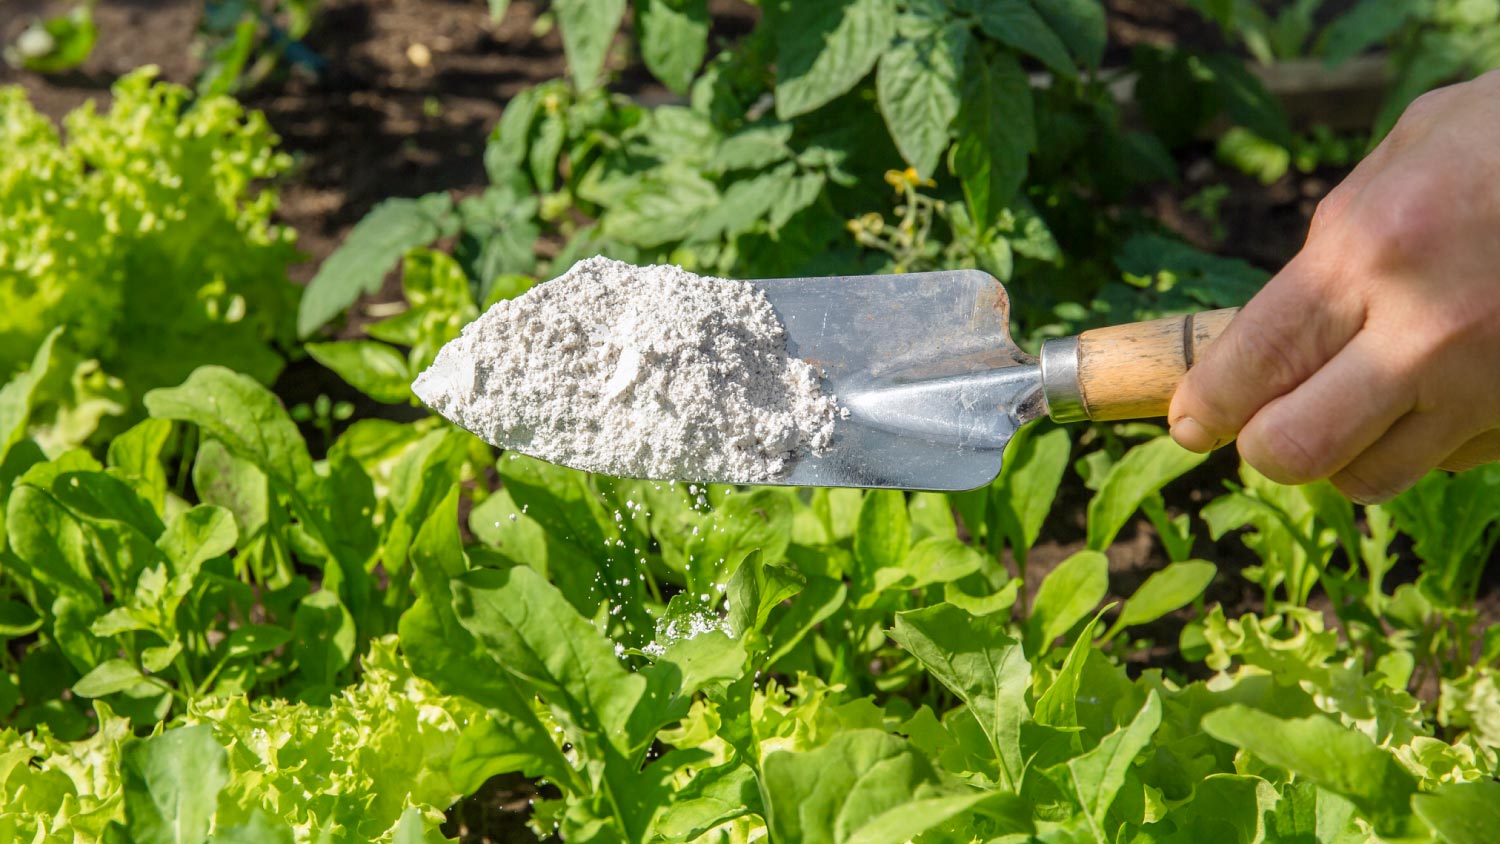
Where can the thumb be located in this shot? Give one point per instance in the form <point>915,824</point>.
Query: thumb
<point>1295,325</point>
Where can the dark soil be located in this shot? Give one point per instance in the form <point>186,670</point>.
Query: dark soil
<point>413,87</point>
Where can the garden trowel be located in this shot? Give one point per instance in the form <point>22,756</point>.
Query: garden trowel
<point>936,388</point>
<point>933,385</point>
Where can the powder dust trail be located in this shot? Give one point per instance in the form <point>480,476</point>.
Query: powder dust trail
<point>645,372</point>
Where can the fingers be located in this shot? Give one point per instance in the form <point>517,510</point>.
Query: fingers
<point>1284,335</point>
<point>1479,450</point>
<point>1333,417</point>
<point>1416,443</point>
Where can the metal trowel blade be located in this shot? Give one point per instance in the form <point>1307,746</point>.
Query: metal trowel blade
<point>924,364</point>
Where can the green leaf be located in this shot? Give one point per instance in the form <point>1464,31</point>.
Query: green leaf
<point>1461,813</point>
<point>503,742</point>
<point>588,27</point>
<point>324,637</point>
<point>498,9</point>
<point>137,453</point>
<point>370,251</point>
<point>375,369</point>
<point>1022,496</point>
<point>1017,24</point>
<point>260,829</point>
<point>803,192</point>
<point>742,524</point>
<point>661,206</point>
<point>172,785</point>
<point>1328,754</point>
<point>535,634</point>
<point>754,591</point>
<point>17,619</point>
<point>674,39</point>
<point>996,133</point>
<point>1058,706</point>
<point>1143,471</point>
<point>883,532</point>
<point>18,395</point>
<point>59,43</point>
<point>824,49</point>
<point>196,536</point>
<point>938,560</point>
<point>255,639</point>
<point>745,203</point>
<point>984,667</point>
<point>917,87</point>
<point>1172,588</point>
<point>1067,595</point>
<point>238,412</point>
<point>1095,778</point>
<point>865,787</point>
<point>753,148</point>
<point>1369,23</point>
<point>1080,24</point>
<point>115,675</point>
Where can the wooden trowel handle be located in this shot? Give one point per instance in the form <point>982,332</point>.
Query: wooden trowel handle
<point>1125,371</point>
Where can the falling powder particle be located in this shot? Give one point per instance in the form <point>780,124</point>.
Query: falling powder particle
<point>647,372</point>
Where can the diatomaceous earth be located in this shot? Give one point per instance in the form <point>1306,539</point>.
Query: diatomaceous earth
<point>645,372</point>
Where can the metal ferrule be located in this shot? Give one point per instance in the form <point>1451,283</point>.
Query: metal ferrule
<point>1060,380</point>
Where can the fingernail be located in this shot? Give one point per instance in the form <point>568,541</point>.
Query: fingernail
<point>1192,436</point>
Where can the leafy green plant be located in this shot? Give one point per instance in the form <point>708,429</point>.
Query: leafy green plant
<point>778,173</point>
<point>244,42</point>
<point>148,236</point>
<point>372,765</point>
<point>55,44</point>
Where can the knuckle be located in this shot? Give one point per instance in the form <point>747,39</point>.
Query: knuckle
<point>1271,350</point>
<point>1400,226</point>
<point>1331,208</point>
<point>1286,453</point>
<point>1362,488</point>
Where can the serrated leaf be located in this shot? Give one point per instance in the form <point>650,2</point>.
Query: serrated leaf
<point>588,27</point>
<point>824,49</point>
<point>917,85</point>
<point>753,148</point>
<point>370,251</point>
<point>674,39</point>
<point>1081,24</point>
<point>1017,24</point>
<point>996,133</point>
<point>375,369</point>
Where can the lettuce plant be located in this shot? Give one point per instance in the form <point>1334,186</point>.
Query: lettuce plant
<point>145,232</point>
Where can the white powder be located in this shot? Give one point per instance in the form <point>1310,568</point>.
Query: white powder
<point>647,372</point>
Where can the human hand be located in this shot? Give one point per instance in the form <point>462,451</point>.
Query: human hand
<point>1374,355</point>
